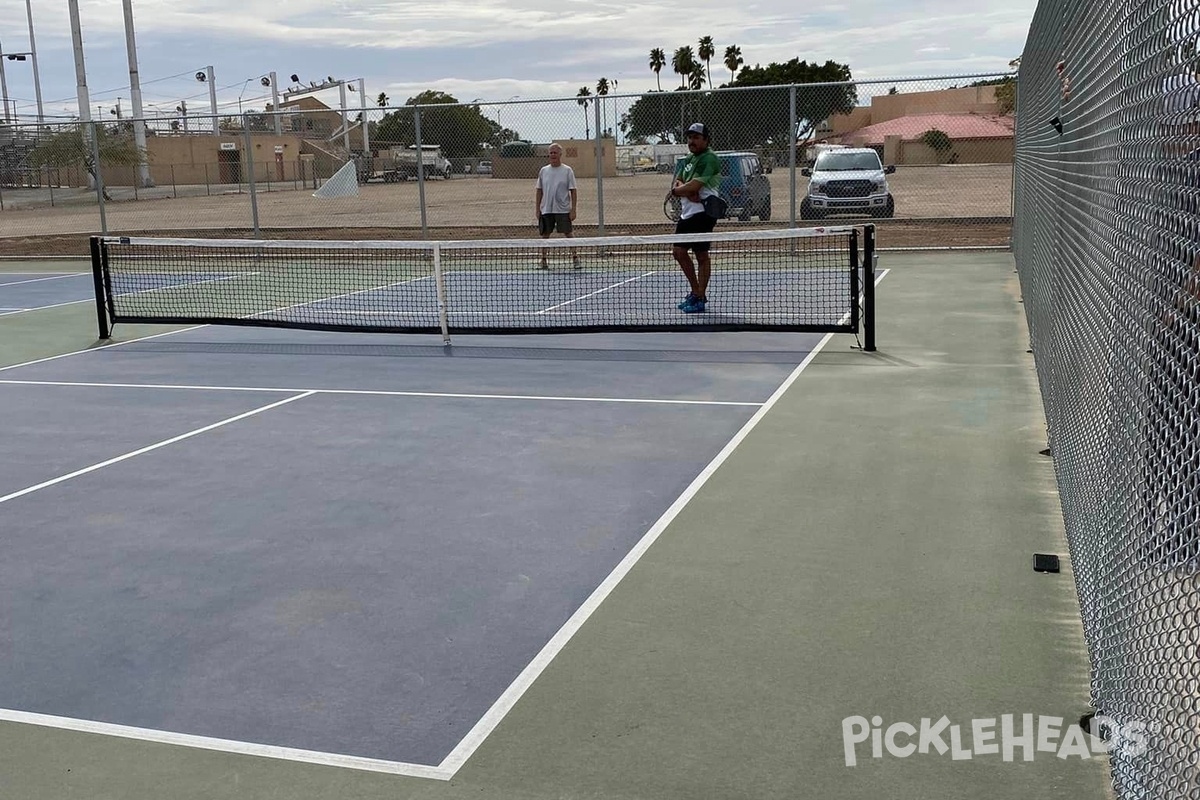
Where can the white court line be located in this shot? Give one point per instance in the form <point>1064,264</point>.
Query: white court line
<point>149,448</point>
<point>35,280</point>
<point>126,294</point>
<point>43,308</point>
<point>226,745</point>
<point>488,722</point>
<point>386,393</point>
<point>598,291</point>
<point>94,349</point>
<point>223,277</point>
<point>340,296</point>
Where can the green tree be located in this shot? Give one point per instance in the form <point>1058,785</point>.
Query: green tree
<point>648,117</point>
<point>658,60</point>
<point>682,63</point>
<point>733,60</point>
<point>938,141</point>
<point>755,118</point>
<point>585,95</point>
<point>460,130</point>
<point>602,91</point>
<point>706,51</point>
<point>696,78</point>
<point>72,147</point>
<point>382,101</point>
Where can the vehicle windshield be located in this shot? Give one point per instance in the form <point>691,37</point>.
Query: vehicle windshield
<point>844,162</point>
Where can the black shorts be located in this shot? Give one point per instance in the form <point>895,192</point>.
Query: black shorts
<point>548,223</point>
<point>699,223</point>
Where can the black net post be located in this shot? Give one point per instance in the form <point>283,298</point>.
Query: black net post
<point>869,288</point>
<point>98,285</point>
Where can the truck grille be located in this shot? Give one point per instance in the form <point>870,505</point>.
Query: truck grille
<point>849,188</point>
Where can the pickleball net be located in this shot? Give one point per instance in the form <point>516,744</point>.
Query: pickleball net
<point>810,279</point>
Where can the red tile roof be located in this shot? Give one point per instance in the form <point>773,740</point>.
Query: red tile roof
<point>956,126</point>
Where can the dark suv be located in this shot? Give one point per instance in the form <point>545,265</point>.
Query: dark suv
<point>744,185</point>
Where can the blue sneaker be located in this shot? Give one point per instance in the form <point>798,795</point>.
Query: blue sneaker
<point>687,300</point>
<point>696,306</point>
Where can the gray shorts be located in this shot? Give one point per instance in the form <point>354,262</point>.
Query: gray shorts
<point>548,223</point>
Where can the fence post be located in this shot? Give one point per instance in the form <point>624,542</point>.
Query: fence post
<point>599,169</point>
<point>792,155</point>
<point>250,173</point>
<point>420,170</point>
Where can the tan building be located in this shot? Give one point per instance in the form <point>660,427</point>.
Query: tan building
<point>896,125</point>
<point>969,139</point>
<point>304,151</point>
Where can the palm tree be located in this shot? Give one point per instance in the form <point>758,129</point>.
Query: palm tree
<point>682,63</point>
<point>584,96</point>
<point>601,91</point>
<point>733,60</point>
<point>382,100</point>
<point>696,77</point>
<point>658,60</point>
<point>706,51</point>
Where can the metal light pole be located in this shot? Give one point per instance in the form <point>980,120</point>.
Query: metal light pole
<point>275,105</point>
<point>3,86</point>
<point>345,119</point>
<point>81,90</point>
<point>4,101</point>
<point>37,81</point>
<point>366,126</point>
<point>210,78</point>
<point>135,97</point>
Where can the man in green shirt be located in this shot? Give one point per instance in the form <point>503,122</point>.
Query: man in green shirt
<point>697,177</point>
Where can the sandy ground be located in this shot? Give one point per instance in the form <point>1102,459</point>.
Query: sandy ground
<point>935,206</point>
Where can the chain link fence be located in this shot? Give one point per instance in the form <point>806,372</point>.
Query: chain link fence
<point>1107,242</point>
<point>467,170</point>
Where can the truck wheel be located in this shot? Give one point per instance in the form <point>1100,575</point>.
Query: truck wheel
<point>764,213</point>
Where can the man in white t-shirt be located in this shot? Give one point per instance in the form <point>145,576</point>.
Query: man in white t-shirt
<point>556,200</point>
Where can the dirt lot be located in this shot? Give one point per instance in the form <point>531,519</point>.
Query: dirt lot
<point>961,205</point>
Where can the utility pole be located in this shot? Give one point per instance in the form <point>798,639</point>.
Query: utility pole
<point>135,97</point>
<point>37,81</point>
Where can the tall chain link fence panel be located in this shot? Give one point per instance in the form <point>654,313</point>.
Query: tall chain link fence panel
<point>1107,243</point>
<point>468,169</point>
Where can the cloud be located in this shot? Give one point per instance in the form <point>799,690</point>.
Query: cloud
<point>494,48</point>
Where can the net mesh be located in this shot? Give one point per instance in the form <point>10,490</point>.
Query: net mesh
<point>799,280</point>
<point>1107,242</point>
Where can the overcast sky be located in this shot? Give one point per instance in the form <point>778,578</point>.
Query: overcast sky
<point>489,49</point>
